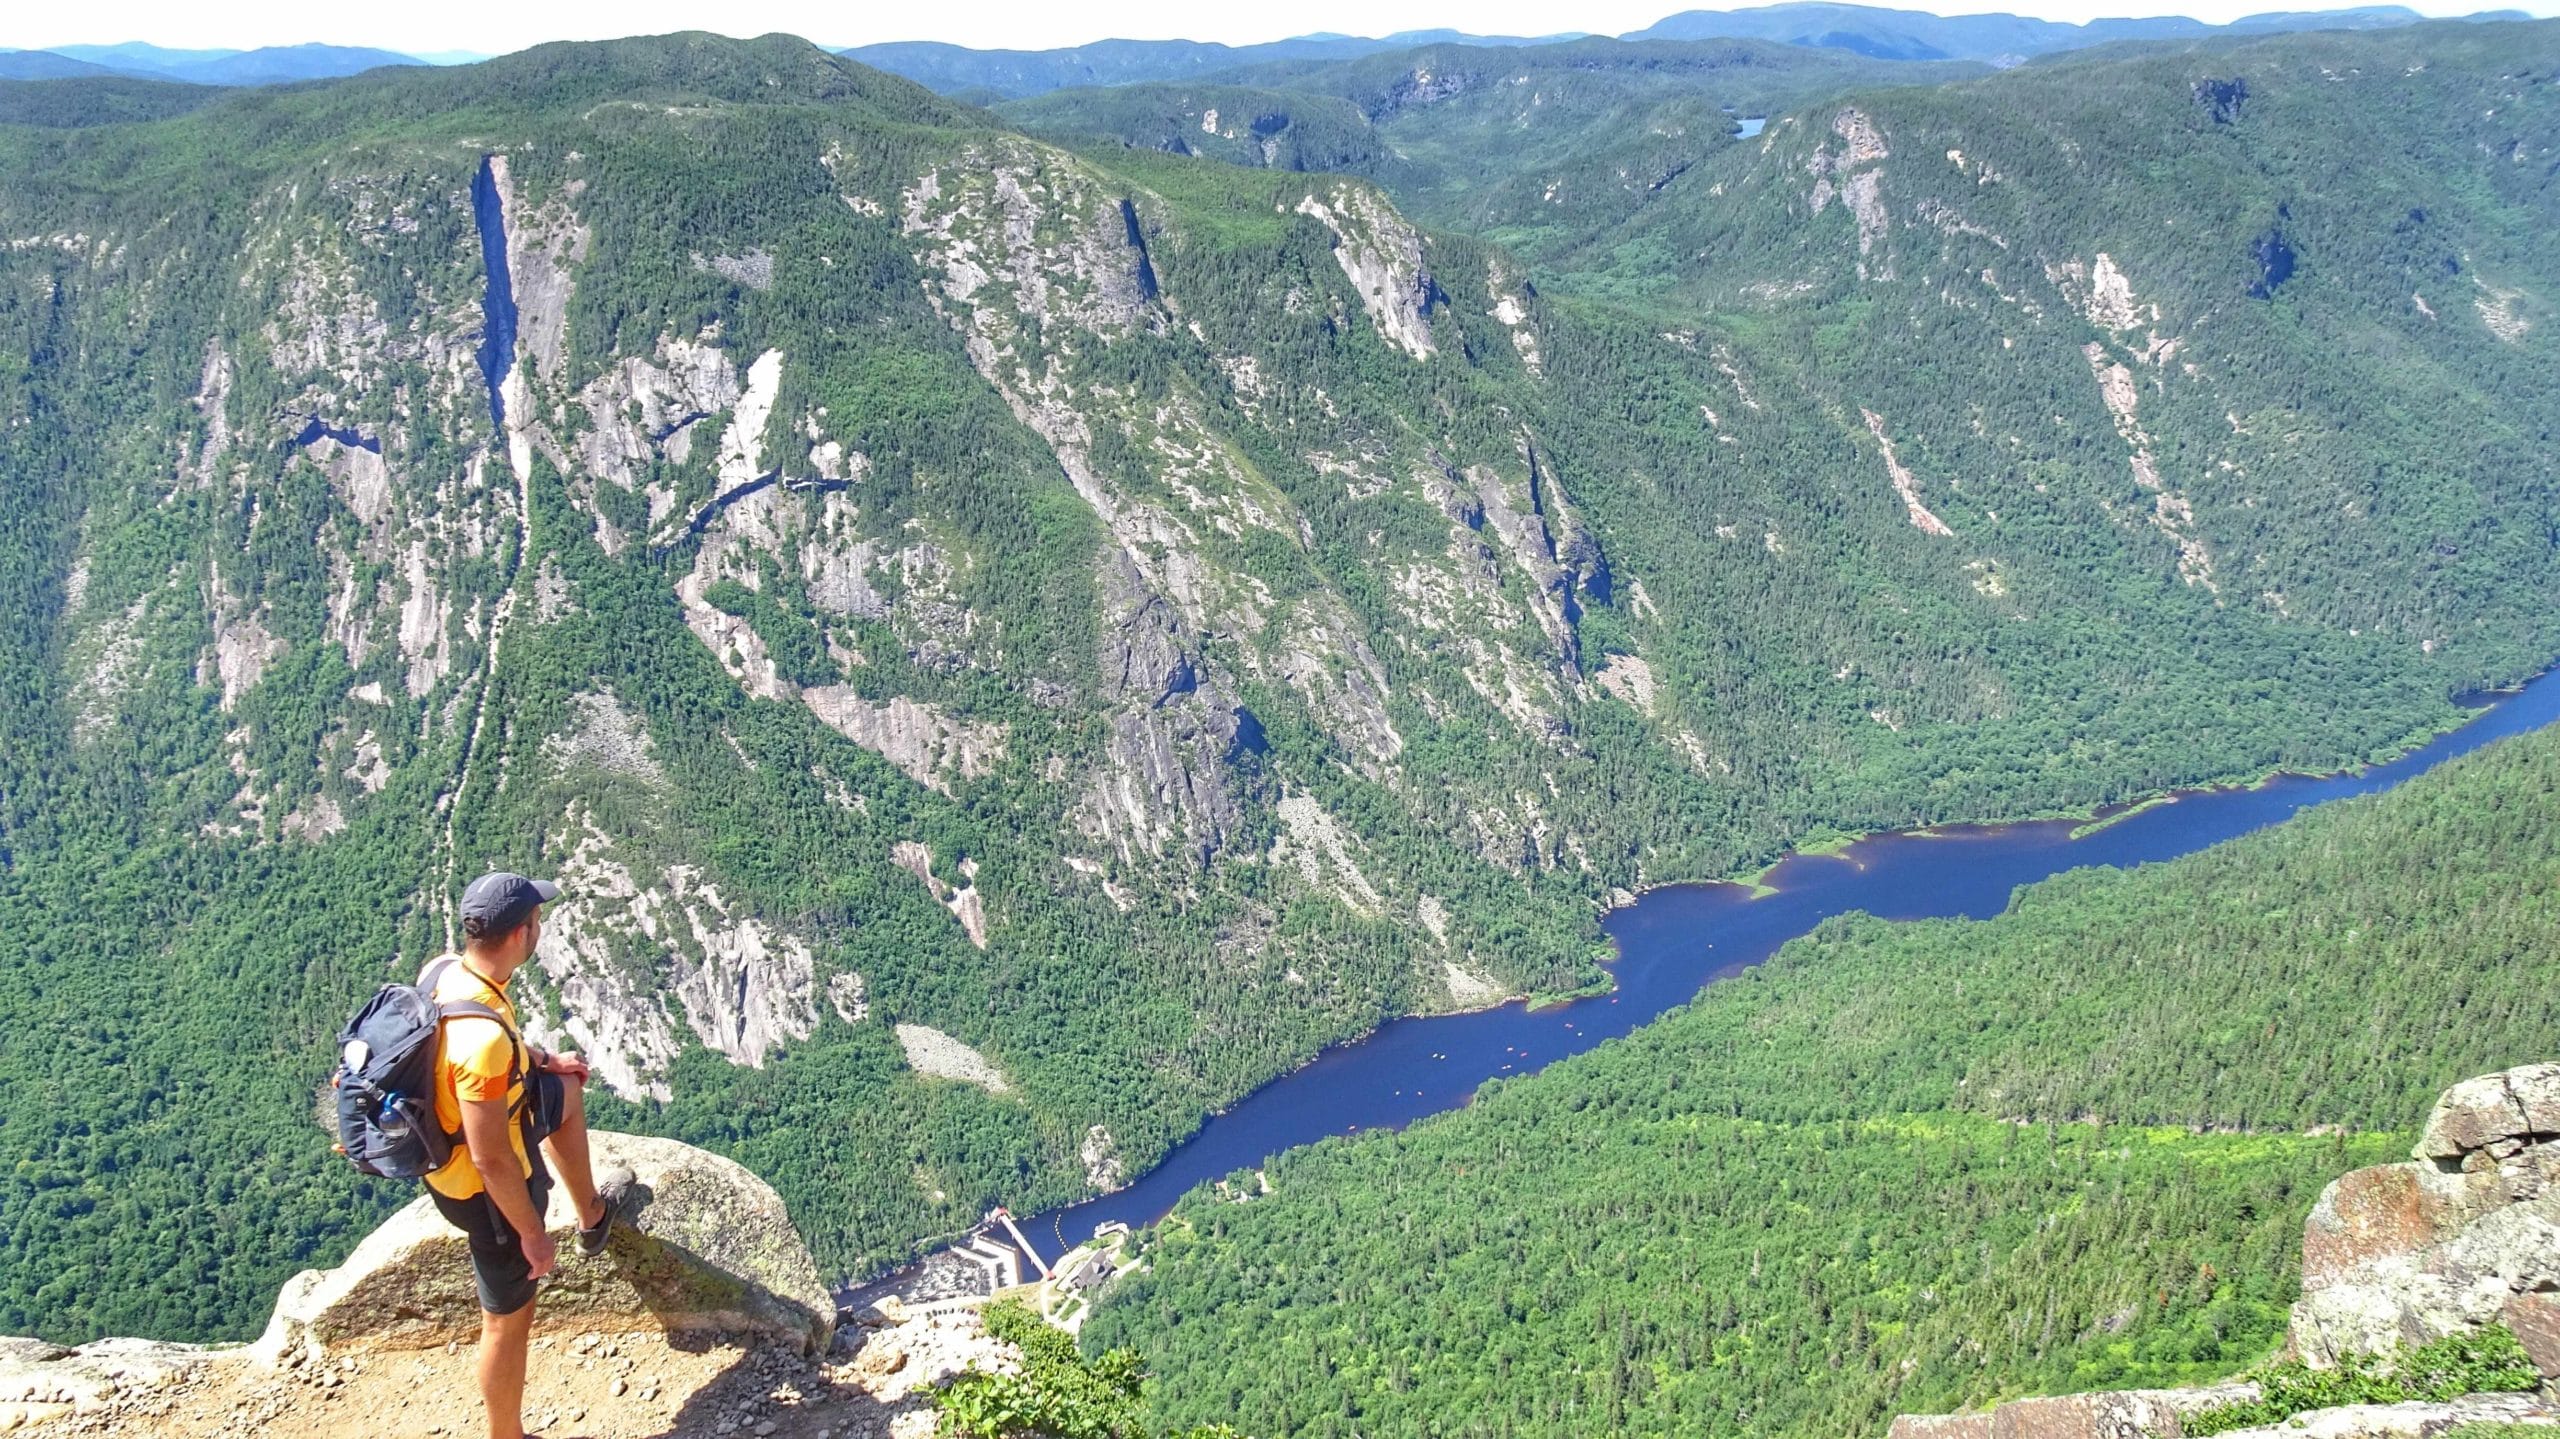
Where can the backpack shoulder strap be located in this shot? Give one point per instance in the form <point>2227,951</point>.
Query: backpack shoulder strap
<point>474,1009</point>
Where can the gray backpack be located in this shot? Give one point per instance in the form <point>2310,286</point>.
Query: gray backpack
<point>386,1078</point>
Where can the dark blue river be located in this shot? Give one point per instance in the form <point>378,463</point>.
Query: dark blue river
<point>1675,941</point>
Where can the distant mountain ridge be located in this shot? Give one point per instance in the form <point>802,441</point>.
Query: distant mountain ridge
<point>992,76</point>
<point>45,65</point>
<point>270,65</point>
<point>1873,31</point>
<point>1919,35</point>
<point>1017,74</point>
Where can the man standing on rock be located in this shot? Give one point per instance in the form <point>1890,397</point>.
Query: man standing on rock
<point>515,1106</point>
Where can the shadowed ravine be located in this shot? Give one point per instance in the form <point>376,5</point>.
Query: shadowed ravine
<point>498,306</point>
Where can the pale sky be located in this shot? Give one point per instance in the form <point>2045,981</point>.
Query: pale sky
<point>501,25</point>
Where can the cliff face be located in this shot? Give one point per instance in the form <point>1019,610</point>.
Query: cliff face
<point>940,492</point>
<point>2465,1235</point>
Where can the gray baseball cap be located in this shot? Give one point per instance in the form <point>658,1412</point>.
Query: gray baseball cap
<point>497,903</point>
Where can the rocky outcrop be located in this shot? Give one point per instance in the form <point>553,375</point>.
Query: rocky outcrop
<point>1323,852</point>
<point>965,903</point>
<point>1164,783</point>
<point>2457,1238</point>
<point>626,953</point>
<point>2155,1414</point>
<point>923,742</point>
<point>645,407</point>
<point>545,243</point>
<point>707,1287</point>
<point>1383,257</point>
<point>1854,176</point>
<point>874,1382</point>
<point>937,1055</point>
<point>708,1251</point>
<point>746,988</point>
<point>606,736</point>
<point>2130,1414</point>
<point>41,1382</point>
<point>2403,1421</point>
<point>2465,1235</point>
<point>2171,512</point>
<point>1104,1169</point>
<point>1905,483</point>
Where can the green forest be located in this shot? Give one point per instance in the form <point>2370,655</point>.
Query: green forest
<point>1144,618</point>
<point>1900,1168</point>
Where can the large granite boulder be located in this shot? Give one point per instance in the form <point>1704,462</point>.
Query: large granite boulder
<point>2481,1121</point>
<point>708,1251</point>
<point>2406,1253</point>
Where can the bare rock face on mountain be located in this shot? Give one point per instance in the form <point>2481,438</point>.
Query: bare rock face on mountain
<point>2465,1235</point>
<point>708,1251</point>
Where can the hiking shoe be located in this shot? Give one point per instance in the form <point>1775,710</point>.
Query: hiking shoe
<point>612,1190</point>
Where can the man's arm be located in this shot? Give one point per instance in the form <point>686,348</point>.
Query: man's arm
<point>565,1063</point>
<point>484,1131</point>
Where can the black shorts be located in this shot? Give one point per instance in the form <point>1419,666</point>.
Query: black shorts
<point>498,1266</point>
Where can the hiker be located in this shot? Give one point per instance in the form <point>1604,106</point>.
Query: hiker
<point>515,1107</point>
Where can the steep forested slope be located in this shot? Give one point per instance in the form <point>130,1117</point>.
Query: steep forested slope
<point>1010,647</point>
<point>1900,1166</point>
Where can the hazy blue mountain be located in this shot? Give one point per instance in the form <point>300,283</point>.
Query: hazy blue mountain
<point>1014,74</point>
<point>991,76</point>
<point>44,65</point>
<point>2369,17</point>
<point>1918,35</point>
<point>1460,37</point>
<point>1912,34</point>
<point>141,56</point>
<point>272,65</point>
<point>282,64</point>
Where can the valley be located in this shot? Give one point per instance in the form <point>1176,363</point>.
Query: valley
<point>1064,651</point>
<point>1901,1166</point>
<point>1672,943</point>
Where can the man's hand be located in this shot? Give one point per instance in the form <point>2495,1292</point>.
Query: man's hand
<point>540,1250</point>
<point>566,1064</point>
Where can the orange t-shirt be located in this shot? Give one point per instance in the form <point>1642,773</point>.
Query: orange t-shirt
<point>477,1059</point>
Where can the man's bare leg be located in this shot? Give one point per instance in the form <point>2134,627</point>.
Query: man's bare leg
<point>567,1150</point>
<point>503,1339</point>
